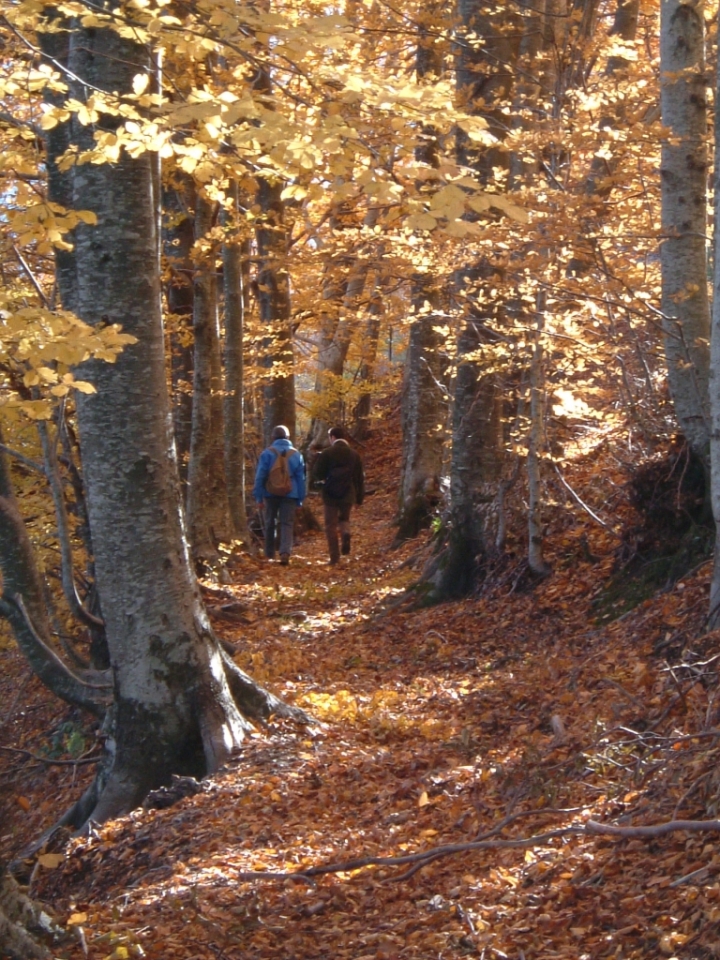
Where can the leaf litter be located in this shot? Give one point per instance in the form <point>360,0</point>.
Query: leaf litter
<point>443,804</point>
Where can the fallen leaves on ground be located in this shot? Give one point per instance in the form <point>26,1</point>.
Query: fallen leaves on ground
<point>488,732</point>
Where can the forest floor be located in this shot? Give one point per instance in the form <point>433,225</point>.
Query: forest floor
<point>467,747</point>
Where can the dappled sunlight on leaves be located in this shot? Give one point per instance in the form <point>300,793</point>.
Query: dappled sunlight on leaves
<point>506,716</point>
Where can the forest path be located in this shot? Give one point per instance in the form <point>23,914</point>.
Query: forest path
<point>436,727</point>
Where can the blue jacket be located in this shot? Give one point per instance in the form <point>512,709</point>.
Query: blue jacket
<point>296,466</point>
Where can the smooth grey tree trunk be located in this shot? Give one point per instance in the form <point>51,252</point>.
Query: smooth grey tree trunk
<point>208,517</point>
<point>424,416</point>
<point>485,77</point>
<point>179,237</point>
<point>714,377</point>
<point>56,48</point>
<point>683,174</point>
<point>235,253</point>
<point>176,693</point>
<point>425,397</point>
<point>274,308</point>
<point>366,369</point>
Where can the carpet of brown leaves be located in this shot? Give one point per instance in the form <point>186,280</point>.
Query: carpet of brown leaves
<point>516,717</point>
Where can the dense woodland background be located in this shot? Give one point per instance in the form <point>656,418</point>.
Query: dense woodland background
<point>483,238</point>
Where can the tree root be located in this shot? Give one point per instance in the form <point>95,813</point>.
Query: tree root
<point>21,923</point>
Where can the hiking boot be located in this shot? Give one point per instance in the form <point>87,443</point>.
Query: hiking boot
<point>284,559</point>
<point>345,544</point>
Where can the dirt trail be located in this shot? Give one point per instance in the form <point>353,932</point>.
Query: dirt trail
<point>437,727</point>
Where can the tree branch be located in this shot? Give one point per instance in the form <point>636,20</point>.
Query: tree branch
<point>48,667</point>
<point>420,859</point>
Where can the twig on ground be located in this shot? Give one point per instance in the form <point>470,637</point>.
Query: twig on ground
<point>53,763</point>
<point>421,859</point>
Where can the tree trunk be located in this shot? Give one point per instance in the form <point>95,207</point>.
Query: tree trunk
<point>485,78</point>
<point>174,710</point>
<point>424,399</point>
<point>23,923</point>
<point>207,502</point>
<point>536,442</point>
<point>424,416</point>
<point>179,236</point>
<point>235,278</point>
<point>683,173</point>
<point>366,370</point>
<point>274,304</point>
<point>56,48</point>
<point>475,472</point>
<point>23,604</point>
<point>714,378</point>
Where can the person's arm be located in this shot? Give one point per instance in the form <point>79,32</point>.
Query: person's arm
<point>359,480</point>
<point>320,470</point>
<point>299,477</point>
<point>261,475</point>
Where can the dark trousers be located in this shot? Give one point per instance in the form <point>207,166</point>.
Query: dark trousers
<point>280,510</point>
<point>337,523</point>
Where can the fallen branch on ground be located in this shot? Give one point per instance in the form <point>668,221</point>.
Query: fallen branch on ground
<point>418,860</point>
<point>53,763</point>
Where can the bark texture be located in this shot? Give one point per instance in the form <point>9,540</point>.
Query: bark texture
<point>23,924</point>
<point>714,379</point>
<point>424,418</point>
<point>235,254</point>
<point>683,171</point>
<point>208,518</point>
<point>475,473</point>
<point>274,304</point>
<point>485,78</point>
<point>179,236</point>
<point>174,710</point>
<point>424,400</point>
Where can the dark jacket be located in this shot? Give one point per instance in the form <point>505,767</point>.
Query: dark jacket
<point>296,466</point>
<point>341,454</point>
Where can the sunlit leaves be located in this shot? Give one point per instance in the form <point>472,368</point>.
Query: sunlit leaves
<point>43,349</point>
<point>46,225</point>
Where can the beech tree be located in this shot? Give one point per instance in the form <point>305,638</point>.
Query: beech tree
<point>425,396</point>
<point>483,72</point>
<point>714,375</point>
<point>180,704</point>
<point>236,282</point>
<point>683,175</point>
<point>207,507</point>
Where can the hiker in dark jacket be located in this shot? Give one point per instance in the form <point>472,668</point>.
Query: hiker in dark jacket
<point>340,469</point>
<point>279,508</point>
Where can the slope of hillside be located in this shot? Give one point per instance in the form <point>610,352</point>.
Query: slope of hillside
<point>444,804</point>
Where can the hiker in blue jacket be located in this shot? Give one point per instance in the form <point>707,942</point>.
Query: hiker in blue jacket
<point>268,491</point>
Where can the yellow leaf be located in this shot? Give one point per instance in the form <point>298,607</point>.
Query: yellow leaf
<point>511,209</point>
<point>50,860</point>
<point>76,918</point>
<point>84,387</point>
<point>423,799</point>
<point>140,82</point>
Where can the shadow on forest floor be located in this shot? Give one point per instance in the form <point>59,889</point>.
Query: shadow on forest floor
<point>505,717</point>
